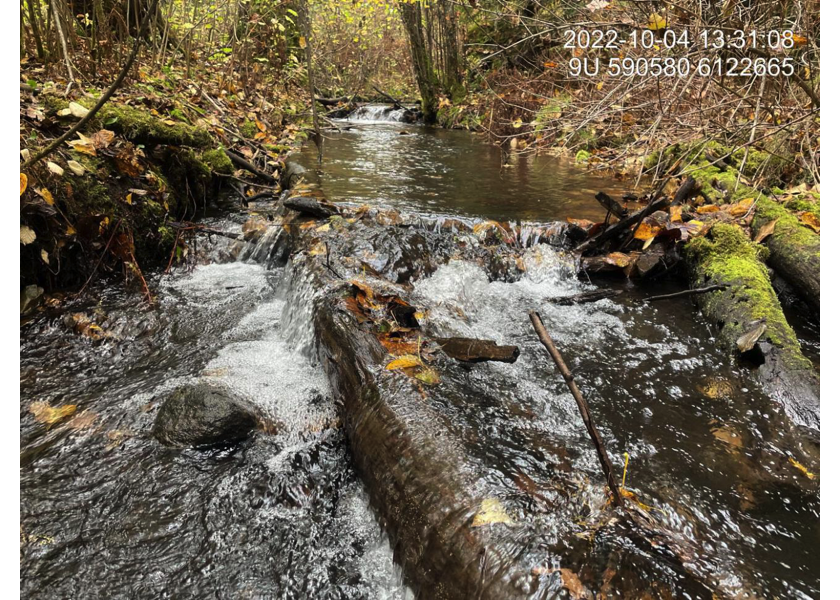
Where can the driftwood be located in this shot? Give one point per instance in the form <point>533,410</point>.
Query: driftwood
<point>583,407</point>
<point>692,292</point>
<point>475,351</point>
<point>611,204</point>
<point>248,166</point>
<point>616,229</point>
<point>585,297</point>
<point>311,207</point>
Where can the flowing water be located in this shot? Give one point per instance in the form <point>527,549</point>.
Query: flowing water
<point>433,171</point>
<point>106,511</point>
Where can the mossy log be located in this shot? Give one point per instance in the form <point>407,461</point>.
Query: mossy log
<point>727,257</point>
<point>794,249</point>
<point>142,127</point>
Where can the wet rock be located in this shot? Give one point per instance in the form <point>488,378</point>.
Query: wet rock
<point>292,174</point>
<point>307,205</point>
<point>203,415</point>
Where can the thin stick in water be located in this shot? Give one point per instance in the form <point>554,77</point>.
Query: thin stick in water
<point>583,407</point>
<point>693,292</point>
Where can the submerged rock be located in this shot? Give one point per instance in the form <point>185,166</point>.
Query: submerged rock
<point>203,415</point>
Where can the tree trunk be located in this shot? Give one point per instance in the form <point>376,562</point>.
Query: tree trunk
<point>421,59</point>
<point>794,249</point>
<point>747,303</point>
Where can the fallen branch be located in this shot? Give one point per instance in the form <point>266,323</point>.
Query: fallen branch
<point>105,97</point>
<point>389,97</point>
<point>583,407</point>
<point>248,166</point>
<point>584,297</point>
<point>692,292</point>
<point>616,229</point>
<point>612,205</point>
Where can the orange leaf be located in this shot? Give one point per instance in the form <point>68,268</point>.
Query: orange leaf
<point>742,208</point>
<point>676,214</point>
<point>811,220</point>
<point>550,64</point>
<point>647,230</point>
<point>405,362</point>
<point>24,180</point>
<point>709,208</point>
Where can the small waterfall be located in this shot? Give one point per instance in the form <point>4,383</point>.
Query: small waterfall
<point>377,113</point>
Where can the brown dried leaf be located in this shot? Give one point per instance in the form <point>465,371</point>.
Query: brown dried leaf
<point>676,214</point>
<point>573,584</point>
<point>766,230</point>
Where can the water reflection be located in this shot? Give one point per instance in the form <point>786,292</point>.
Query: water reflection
<point>439,171</point>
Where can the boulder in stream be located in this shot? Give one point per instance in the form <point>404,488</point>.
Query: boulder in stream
<point>203,415</point>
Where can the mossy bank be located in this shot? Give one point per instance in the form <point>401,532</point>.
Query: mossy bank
<point>106,201</point>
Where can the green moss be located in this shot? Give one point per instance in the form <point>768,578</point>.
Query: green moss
<point>727,256</point>
<point>787,226</point>
<point>142,127</point>
<point>248,129</point>
<point>218,161</point>
<point>808,204</point>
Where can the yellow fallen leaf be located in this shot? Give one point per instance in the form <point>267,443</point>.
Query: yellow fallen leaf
<point>656,22</point>
<point>709,208</point>
<point>676,214</point>
<point>302,42</point>
<point>811,220</point>
<point>742,208</point>
<point>44,413</point>
<point>491,511</point>
<point>404,362</point>
<point>801,467</point>
<point>647,230</point>
<point>517,123</point>
<point>46,195</point>
<point>23,181</point>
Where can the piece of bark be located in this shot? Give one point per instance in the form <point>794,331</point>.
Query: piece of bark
<point>475,351</point>
<point>312,207</point>
<point>584,297</point>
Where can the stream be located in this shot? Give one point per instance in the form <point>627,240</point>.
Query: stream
<point>106,511</point>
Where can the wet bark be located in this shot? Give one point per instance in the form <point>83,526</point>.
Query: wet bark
<point>475,351</point>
